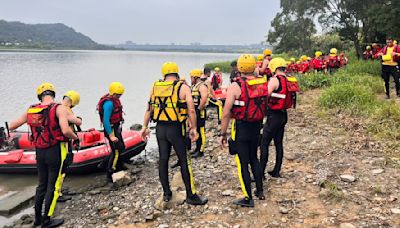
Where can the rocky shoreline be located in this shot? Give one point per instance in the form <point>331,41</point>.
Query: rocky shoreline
<point>334,175</point>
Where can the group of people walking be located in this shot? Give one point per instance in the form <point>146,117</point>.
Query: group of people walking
<point>179,111</point>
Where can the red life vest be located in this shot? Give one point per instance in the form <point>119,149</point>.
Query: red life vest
<point>304,67</point>
<point>317,63</point>
<point>333,62</point>
<point>216,79</point>
<point>285,97</point>
<point>395,49</point>
<point>252,104</point>
<point>116,115</point>
<point>44,124</point>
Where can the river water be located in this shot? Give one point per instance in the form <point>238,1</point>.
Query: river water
<point>89,73</point>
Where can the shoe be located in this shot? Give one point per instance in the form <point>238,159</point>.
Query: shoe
<point>197,154</point>
<point>37,223</point>
<point>175,165</point>
<point>52,223</point>
<point>274,174</point>
<point>196,200</point>
<point>259,195</point>
<point>63,198</point>
<point>244,202</point>
<point>167,197</point>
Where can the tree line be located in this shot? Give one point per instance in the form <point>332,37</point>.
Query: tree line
<point>343,23</point>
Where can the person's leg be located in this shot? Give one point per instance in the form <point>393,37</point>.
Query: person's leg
<point>164,149</point>
<point>395,74</point>
<point>278,140</point>
<point>269,131</point>
<point>177,139</point>
<point>54,158</point>
<point>385,77</point>
<point>42,184</point>
<point>254,162</point>
<point>201,141</point>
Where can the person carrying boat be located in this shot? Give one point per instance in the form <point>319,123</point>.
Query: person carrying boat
<point>200,99</point>
<point>212,98</point>
<point>110,111</point>
<point>169,105</point>
<point>50,129</point>
<point>70,100</point>
<point>282,96</point>
<point>246,103</point>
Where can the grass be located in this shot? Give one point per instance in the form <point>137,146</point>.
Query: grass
<point>224,66</point>
<point>333,192</point>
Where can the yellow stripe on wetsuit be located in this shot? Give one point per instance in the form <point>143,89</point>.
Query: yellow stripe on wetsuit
<point>64,151</point>
<point>203,139</point>
<point>192,186</point>
<point>220,106</point>
<point>116,155</point>
<point>237,159</point>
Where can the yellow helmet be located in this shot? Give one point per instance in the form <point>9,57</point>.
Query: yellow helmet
<point>395,42</point>
<point>303,58</point>
<point>45,87</point>
<point>116,88</point>
<point>267,52</point>
<point>276,63</point>
<point>292,60</point>
<point>368,48</point>
<point>74,96</point>
<point>246,63</point>
<point>260,57</point>
<point>333,51</point>
<point>196,73</point>
<point>386,58</point>
<point>216,69</point>
<point>298,62</point>
<point>169,68</point>
<point>308,58</point>
<point>318,54</point>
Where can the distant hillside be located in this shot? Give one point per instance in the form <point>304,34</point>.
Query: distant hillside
<point>43,36</point>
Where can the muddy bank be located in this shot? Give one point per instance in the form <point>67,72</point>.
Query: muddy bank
<point>332,176</point>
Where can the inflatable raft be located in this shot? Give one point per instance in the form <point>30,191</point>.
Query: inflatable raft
<point>94,148</point>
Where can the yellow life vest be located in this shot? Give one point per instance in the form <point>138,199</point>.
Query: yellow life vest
<point>167,106</point>
<point>196,93</point>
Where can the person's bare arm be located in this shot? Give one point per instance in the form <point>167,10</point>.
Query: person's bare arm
<point>264,65</point>
<point>144,132</point>
<point>273,85</point>
<point>204,97</point>
<point>18,122</point>
<point>73,119</point>
<point>62,114</point>
<point>231,95</point>
<point>187,95</point>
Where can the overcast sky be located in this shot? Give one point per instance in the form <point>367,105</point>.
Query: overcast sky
<point>152,21</point>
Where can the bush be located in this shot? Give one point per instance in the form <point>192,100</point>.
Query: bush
<point>375,84</point>
<point>314,81</point>
<point>362,67</point>
<point>224,66</point>
<point>385,121</point>
<point>350,98</point>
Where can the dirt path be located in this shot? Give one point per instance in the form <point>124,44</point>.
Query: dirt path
<point>318,150</point>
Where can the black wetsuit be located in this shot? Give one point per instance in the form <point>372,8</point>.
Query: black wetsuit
<point>173,135</point>
<point>388,71</point>
<point>273,129</point>
<point>113,161</point>
<point>246,140</point>
<point>49,165</point>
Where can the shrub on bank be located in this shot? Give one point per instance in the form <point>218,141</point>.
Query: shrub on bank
<point>224,66</point>
<point>350,98</point>
<point>313,81</point>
